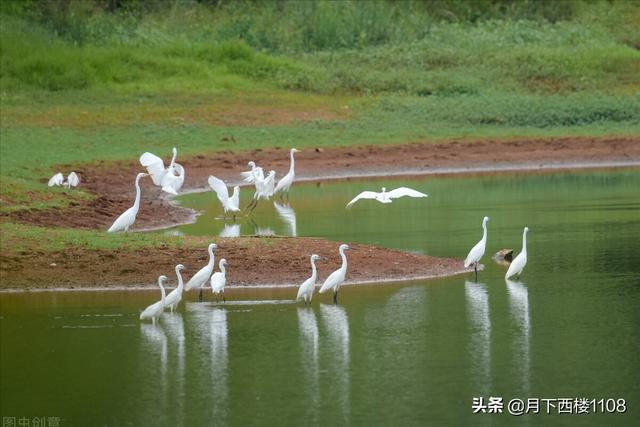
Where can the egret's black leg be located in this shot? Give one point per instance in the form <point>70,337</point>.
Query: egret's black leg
<point>475,267</point>
<point>200,295</point>
<point>335,297</point>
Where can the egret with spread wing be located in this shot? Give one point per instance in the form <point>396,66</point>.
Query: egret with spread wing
<point>73,180</point>
<point>386,197</point>
<point>264,189</point>
<point>170,178</point>
<point>128,217</point>
<point>252,175</point>
<point>232,203</point>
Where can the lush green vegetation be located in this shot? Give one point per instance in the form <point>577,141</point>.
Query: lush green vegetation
<point>107,79</point>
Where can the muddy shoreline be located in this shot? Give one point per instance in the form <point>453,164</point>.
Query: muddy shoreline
<point>83,269</point>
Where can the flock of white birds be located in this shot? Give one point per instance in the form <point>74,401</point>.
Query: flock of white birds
<point>171,178</point>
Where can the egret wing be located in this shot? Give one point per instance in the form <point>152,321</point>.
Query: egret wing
<point>404,191</point>
<point>154,165</point>
<point>363,195</point>
<point>220,188</point>
<point>73,179</point>
<point>56,179</point>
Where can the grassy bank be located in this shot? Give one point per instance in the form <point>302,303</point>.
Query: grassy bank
<point>83,81</point>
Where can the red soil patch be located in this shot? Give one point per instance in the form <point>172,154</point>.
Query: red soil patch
<point>252,261</point>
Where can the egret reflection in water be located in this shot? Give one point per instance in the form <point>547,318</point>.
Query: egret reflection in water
<point>219,363</point>
<point>230,230</point>
<point>155,354</point>
<point>519,301</point>
<point>288,215</point>
<point>310,345</point>
<point>478,309</point>
<point>336,324</point>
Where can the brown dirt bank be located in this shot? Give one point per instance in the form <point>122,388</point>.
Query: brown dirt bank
<point>251,261</point>
<point>112,183</point>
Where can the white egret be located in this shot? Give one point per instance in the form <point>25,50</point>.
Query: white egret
<point>305,292</point>
<point>252,175</point>
<point>128,217</point>
<point>476,253</point>
<point>386,197</point>
<point>519,262</point>
<point>56,180</point>
<point>175,296</point>
<point>228,203</point>
<point>73,180</point>
<point>336,279</point>
<point>264,189</point>
<point>154,311</point>
<point>164,177</point>
<point>201,277</point>
<point>219,279</point>
<point>284,185</point>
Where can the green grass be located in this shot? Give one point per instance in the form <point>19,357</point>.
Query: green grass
<point>80,84</point>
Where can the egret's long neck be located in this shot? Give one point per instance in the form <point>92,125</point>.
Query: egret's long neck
<point>180,282</point>
<point>293,163</point>
<point>484,232</point>
<point>524,242</point>
<point>162,291</point>
<point>344,260</point>
<point>136,204</point>
<point>223,270</point>
<point>173,159</point>
<point>212,257</point>
<point>314,272</point>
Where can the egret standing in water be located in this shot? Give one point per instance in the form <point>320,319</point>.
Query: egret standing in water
<point>128,217</point>
<point>264,189</point>
<point>336,279</point>
<point>284,185</point>
<point>219,280</point>
<point>519,262</point>
<point>228,203</point>
<point>386,197</point>
<point>305,292</point>
<point>164,177</point>
<point>154,311</point>
<point>201,277</point>
<point>175,296</point>
<point>476,253</point>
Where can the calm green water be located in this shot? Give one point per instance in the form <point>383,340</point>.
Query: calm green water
<point>387,355</point>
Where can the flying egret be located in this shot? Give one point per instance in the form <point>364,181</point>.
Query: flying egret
<point>228,203</point>
<point>519,262</point>
<point>219,280</point>
<point>154,311</point>
<point>264,189</point>
<point>128,217</point>
<point>336,279</point>
<point>252,175</point>
<point>56,180</point>
<point>385,197</point>
<point>476,253</point>
<point>73,180</point>
<point>200,278</point>
<point>305,292</point>
<point>284,185</point>
<point>175,296</point>
<point>164,177</point>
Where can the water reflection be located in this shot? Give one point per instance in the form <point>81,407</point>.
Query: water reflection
<point>478,309</point>
<point>519,300</point>
<point>219,364</point>
<point>288,215</point>
<point>337,325</point>
<point>230,230</point>
<point>155,355</point>
<point>310,344</point>
<point>175,330</point>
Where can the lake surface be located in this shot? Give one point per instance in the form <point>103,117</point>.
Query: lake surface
<point>404,354</point>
